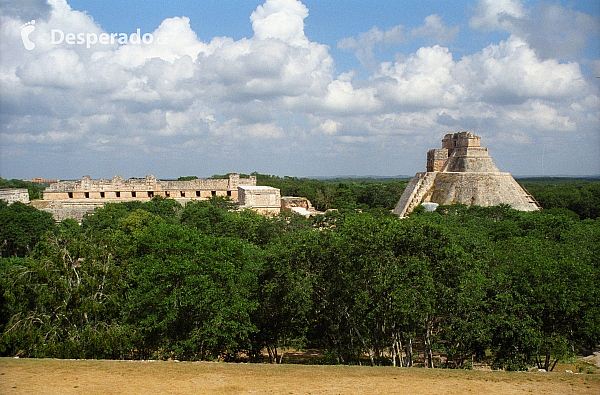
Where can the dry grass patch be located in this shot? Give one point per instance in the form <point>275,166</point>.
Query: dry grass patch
<point>50,376</point>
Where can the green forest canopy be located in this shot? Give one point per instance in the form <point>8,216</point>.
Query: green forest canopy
<point>197,282</point>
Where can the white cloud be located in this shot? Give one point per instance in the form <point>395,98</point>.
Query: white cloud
<point>435,29</point>
<point>67,70</point>
<point>173,40</point>
<point>551,30</point>
<point>232,130</point>
<point>276,92</point>
<point>496,14</point>
<point>364,45</point>
<point>330,126</point>
<point>26,10</point>
<point>511,73</point>
<point>540,116</point>
<point>280,19</point>
<point>423,80</point>
<point>343,98</point>
<point>558,32</point>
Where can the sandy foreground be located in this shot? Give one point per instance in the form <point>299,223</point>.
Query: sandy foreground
<point>51,376</point>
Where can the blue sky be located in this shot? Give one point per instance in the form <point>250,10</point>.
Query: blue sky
<point>329,21</point>
<point>297,88</point>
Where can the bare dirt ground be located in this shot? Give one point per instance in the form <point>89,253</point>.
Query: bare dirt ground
<point>51,376</point>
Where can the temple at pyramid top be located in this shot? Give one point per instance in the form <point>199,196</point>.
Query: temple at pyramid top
<point>462,171</point>
<point>460,152</point>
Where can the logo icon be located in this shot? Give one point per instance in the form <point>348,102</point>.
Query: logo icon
<point>26,30</point>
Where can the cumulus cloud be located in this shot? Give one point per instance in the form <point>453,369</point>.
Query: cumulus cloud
<point>277,92</point>
<point>280,19</point>
<point>512,73</point>
<point>177,85</point>
<point>330,126</point>
<point>557,32</point>
<point>365,43</point>
<point>552,30</point>
<point>173,40</point>
<point>434,29</point>
<point>26,10</point>
<point>497,14</point>
<point>423,80</point>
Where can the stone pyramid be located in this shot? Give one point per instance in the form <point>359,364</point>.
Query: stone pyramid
<point>462,171</point>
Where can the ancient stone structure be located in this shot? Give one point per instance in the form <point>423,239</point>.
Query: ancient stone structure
<point>42,181</point>
<point>74,209</point>
<point>14,195</point>
<point>299,205</point>
<point>145,188</point>
<point>262,199</point>
<point>74,199</point>
<point>463,172</point>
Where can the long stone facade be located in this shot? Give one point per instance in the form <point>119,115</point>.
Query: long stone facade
<point>75,199</point>
<point>463,172</point>
<point>145,188</point>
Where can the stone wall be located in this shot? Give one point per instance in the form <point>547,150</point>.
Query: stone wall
<point>145,188</point>
<point>471,159</point>
<point>262,199</point>
<point>14,195</point>
<point>460,152</point>
<point>74,209</point>
<point>299,205</point>
<point>436,159</point>
<point>460,139</point>
<point>481,189</point>
<point>75,199</point>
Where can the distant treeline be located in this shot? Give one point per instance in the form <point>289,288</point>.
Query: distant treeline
<point>350,193</point>
<point>579,195</point>
<point>203,282</point>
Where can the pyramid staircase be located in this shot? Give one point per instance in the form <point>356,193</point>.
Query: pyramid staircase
<point>530,197</point>
<point>414,192</point>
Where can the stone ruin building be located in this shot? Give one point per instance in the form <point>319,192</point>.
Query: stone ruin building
<point>145,188</point>
<point>299,205</point>
<point>74,199</point>
<point>14,195</point>
<point>262,199</point>
<point>462,171</point>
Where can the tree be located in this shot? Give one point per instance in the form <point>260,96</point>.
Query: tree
<point>203,216</point>
<point>107,217</point>
<point>64,300</point>
<point>21,227</point>
<point>190,295</point>
<point>169,209</point>
<point>285,296</point>
<point>543,291</point>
